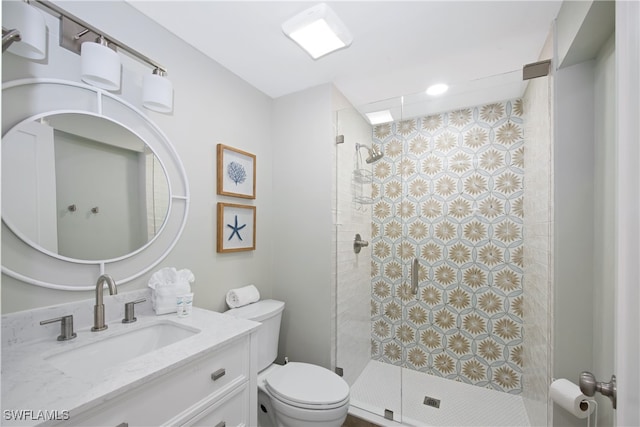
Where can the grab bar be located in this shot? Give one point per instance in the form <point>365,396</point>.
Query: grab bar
<point>414,277</point>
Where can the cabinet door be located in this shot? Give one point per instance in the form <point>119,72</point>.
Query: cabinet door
<point>182,391</point>
<point>229,411</point>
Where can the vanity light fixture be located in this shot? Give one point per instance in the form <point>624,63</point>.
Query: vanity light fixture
<point>437,89</point>
<point>157,92</point>
<point>378,117</point>
<point>318,31</point>
<point>100,61</point>
<point>100,65</point>
<point>24,31</point>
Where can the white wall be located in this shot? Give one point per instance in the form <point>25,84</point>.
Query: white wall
<point>574,225</point>
<point>585,227</point>
<point>605,243</point>
<point>584,204</point>
<point>302,223</point>
<point>211,106</point>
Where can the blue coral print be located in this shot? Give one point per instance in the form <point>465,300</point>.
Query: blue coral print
<point>236,172</point>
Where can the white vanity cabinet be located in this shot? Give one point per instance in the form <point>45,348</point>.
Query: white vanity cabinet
<point>216,389</point>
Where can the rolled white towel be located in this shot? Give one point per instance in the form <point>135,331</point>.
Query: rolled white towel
<point>242,296</point>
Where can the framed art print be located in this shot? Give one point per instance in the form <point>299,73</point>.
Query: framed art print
<point>236,227</point>
<point>236,174</point>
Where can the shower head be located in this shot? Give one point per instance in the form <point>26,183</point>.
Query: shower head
<point>375,153</point>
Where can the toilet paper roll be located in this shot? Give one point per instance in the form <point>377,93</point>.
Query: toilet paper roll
<point>568,395</point>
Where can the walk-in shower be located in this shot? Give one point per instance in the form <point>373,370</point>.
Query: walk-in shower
<point>446,195</point>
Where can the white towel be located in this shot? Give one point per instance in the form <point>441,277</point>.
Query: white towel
<point>242,296</point>
<point>166,285</point>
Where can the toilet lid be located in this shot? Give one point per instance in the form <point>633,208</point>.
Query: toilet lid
<point>308,386</point>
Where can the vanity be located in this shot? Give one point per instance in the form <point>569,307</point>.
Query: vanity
<point>92,187</point>
<point>61,232</point>
<point>159,370</point>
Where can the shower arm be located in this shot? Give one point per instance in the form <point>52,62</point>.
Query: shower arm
<point>359,146</point>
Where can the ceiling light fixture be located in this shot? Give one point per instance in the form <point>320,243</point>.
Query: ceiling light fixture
<point>379,117</point>
<point>24,24</point>
<point>437,89</point>
<point>318,31</point>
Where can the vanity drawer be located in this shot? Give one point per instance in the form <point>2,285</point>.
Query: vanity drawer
<point>160,400</point>
<point>228,366</point>
<point>229,411</point>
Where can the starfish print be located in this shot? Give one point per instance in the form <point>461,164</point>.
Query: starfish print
<point>236,229</point>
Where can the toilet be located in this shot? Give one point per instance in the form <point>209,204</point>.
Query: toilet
<point>295,394</point>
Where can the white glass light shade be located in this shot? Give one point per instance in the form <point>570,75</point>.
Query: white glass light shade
<point>33,29</point>
<point>318,31</point>
<point>317,38</point>
<point>378,117</point>
<point>100,66</point>
<point>157,93</point>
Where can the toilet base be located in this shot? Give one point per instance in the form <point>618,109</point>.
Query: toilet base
<point>273,413</point>
<point>266,414</point>
<point>289,416</point>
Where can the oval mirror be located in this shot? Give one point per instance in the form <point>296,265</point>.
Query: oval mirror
<point>90,185</point>
<point>82,187</point>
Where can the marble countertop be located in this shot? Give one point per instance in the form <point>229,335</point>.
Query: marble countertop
<point>31,383</point>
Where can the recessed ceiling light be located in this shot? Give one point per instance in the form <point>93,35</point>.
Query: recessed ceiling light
<point>378,117</point>
<point>318,31</point>
<point>437,89</point>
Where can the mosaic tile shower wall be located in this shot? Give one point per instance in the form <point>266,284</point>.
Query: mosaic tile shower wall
<point>449,191</point>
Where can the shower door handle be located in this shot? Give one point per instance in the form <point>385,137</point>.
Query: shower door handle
<point>589,386</point>
<point>414,276</point>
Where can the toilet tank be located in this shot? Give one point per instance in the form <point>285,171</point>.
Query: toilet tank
<point>269,313</point>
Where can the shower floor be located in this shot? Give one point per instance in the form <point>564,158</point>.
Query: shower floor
<point>377,389</point>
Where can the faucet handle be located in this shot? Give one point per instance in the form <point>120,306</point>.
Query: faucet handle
<point>129,314</point>
<point>66,327</point>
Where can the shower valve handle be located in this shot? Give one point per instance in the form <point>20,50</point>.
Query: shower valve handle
<point>358,243</point>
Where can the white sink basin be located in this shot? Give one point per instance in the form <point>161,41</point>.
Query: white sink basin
<point>114,349</point>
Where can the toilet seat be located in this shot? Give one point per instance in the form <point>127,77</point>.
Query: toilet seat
<point>307,386</point>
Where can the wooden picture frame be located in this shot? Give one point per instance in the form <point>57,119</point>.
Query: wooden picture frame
<point>236,172</point>
<point>236,228</point>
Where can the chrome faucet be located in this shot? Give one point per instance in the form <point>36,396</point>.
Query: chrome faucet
<point>98,309</point>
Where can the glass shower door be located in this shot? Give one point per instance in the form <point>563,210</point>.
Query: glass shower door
<point>448,253</point>
<point>392,261</point>
<point>366,310</point>
<point>405,220</point>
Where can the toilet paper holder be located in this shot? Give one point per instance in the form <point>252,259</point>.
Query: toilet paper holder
<point>589,386</point>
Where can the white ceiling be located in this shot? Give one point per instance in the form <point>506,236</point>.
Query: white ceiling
<point>399,47</point>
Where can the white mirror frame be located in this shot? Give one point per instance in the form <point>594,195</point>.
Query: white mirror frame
<point>31,99</point>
